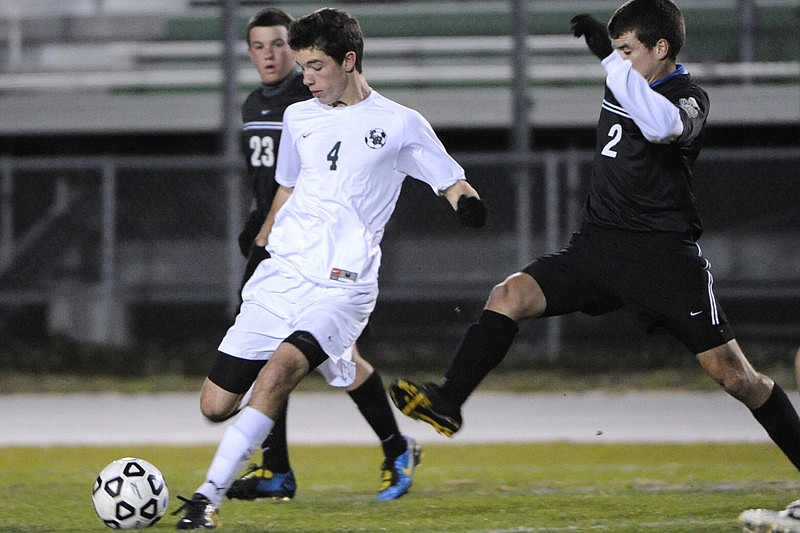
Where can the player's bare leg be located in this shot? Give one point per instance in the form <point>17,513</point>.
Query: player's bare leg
<point>274,478</point>
<point>276,380</point>
<point>218,404</point>
<point>727,365</point>
<point>485,344</point>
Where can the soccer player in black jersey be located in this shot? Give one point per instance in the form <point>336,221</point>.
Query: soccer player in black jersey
<point>636,247</point>
<point>262,116</point>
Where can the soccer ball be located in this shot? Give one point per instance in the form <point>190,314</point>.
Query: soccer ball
<point>130,493</point>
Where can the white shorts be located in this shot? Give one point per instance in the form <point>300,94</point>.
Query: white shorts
<point>277,302</point>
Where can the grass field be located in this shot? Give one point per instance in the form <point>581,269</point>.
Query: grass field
<point>499,488</point>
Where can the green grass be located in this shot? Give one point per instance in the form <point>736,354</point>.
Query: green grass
<point>513,487</point>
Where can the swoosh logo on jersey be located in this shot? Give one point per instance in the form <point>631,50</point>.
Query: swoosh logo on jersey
<point>265,111</point>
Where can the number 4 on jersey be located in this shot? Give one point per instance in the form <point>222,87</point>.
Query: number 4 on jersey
<point>333,155</point>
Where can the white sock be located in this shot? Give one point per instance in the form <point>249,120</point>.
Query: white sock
<point>239,443</point>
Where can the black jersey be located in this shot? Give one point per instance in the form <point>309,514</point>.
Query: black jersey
<point>637,185</point>
<point>262,118</point>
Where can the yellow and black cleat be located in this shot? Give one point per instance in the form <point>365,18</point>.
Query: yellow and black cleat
<point>423,402</point>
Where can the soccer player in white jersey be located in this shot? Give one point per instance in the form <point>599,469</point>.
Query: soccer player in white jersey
<point>267,38</point>
<point>343,158</point>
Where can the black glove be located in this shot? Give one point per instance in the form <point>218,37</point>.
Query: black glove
<point>595,32</point>
<point>471,211</point>
<point>251,228</point>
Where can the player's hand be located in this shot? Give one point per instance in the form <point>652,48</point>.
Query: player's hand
<point>595,32</point>
<point>471,211</point>
<point>249,232</point>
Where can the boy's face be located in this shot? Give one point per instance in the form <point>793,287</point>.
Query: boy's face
<point>326,79</point>
<point>269,50</point>
<point>649,62</point>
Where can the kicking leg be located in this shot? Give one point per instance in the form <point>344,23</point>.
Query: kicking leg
<point>482,348</point>
<point>286,368</point>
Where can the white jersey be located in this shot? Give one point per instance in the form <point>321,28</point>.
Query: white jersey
<point>346,165</point>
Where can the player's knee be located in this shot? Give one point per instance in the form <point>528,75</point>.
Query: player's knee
<point>518,296</point>
<point>217,404</point>
<point>216,412</point>
<point>309,347</point>
<point>737,382</point>
<point>750,389</point>
<point>216,417</point>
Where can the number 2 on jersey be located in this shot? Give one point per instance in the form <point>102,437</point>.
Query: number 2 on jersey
<point>615,132</point>
<point>333,155</point>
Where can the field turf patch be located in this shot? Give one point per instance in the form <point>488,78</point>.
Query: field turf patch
<point>497,488</point>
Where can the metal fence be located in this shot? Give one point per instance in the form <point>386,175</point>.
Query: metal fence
<point>91,246</point>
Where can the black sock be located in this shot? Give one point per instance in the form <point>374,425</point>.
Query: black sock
<point>373,403</point>
<point>274,450</point>
<point>780,419</point>
<point>482,348</point>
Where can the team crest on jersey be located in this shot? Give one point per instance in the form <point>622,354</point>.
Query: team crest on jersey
<point>375,138</point>
<point>690,106</point>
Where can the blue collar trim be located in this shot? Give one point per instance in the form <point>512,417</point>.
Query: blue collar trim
<point>679,70</point>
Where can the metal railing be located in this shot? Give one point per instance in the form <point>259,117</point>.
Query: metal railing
<point>88,237</point>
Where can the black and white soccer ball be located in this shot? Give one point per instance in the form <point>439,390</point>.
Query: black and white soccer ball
<point>130,493</point>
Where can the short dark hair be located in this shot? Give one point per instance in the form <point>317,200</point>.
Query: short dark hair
<point>271,16</point>
<point>651,20</point>
<point>331,30</point>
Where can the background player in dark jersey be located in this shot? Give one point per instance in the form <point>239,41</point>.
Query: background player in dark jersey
<point>637,244</point>
<point>262,116</point>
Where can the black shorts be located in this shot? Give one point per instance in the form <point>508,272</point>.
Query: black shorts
<point>235,374</point>
<point>662,278</point>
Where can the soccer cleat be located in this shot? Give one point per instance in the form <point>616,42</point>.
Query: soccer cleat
<point>766,521</point>
<point>200,513</point>
<point>259,482</point>
<point>397,475</point>
<point>424,402</point>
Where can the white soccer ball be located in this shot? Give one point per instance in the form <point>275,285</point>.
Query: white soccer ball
<point>130,493</point>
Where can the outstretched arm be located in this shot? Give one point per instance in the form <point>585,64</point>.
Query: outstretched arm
<point>657,117</point>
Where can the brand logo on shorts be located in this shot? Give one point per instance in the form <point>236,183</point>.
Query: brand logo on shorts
<point>338,274</point>
<point>375,138</point>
